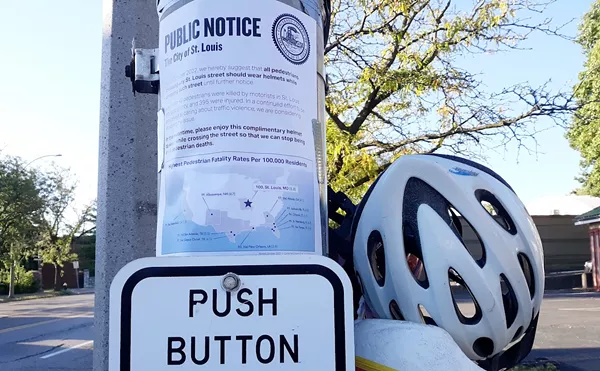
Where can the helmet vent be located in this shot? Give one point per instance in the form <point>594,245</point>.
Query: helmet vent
<point>483,347</point>
<point>395,311</point>
<point>494,208</point>
<point>466,307</point>
<point>425,316</point>
<point>417,193</point>
<point>376,255</point>
<point>473,246</point>
<point>417,268</point>
<point>489,208</point>
<point>414,257</point>
<point>528,272</point>
<point>455,223</point>
<point>509,299</point>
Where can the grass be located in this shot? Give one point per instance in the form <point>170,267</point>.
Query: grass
<point>37,295</point>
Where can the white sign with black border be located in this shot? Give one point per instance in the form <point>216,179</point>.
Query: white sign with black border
<point>279,312</point>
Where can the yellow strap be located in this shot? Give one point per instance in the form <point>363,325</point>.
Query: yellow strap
<point>366,365</point>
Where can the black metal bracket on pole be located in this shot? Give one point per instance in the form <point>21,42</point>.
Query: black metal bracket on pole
<point>142,70</point>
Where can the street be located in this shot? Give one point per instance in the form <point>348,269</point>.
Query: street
<point>47,334</point>
<point>568,330</point>
<point>56,333</point>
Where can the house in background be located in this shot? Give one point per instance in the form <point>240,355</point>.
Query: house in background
<point>563,205</point>
<point>85,248</point>
<point>566,245</point>
<point>591,219</point>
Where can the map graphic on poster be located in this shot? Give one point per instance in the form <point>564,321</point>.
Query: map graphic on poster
<point>240,208</point>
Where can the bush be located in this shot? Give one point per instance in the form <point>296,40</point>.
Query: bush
<point>27,284</point>
<point>20,271</point>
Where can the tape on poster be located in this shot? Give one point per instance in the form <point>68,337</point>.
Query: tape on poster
<point>363,364</point>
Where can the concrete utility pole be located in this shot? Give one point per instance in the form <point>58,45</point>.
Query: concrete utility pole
<point>127,159</point>
<point>283,35</point>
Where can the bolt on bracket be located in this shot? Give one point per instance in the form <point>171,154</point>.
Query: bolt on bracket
<point>143,70</point>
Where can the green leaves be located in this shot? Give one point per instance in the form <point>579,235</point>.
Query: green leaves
<point>584,132</point>
<point>58,252</point>
<point>35,214</point>
<point>589,29</point>
<point>347,164</point>
<point>58,229</point>
<point>395,86</point>
<point>21,204</point>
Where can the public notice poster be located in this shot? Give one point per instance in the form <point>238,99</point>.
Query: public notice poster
<point>236,129</point>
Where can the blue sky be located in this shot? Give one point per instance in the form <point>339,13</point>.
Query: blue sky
<point>50,91</point>
<point>550,171</point>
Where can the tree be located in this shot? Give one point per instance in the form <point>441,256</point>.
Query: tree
<point>87,216</point>
<point>86,240</point>
<point>21,245</point>
<point>584,133</point>
<point>57,231</point>
<point>395,86</point>
<point>57,253</point>
<point>21,207</point>
<point>86,246</point>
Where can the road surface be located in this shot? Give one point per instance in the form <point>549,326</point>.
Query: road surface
<point>569,330</point>
<point>47,334</point>
<point>56,333</point>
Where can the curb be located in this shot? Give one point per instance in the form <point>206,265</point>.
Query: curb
<point>31,297</point>
<point>47,295</point>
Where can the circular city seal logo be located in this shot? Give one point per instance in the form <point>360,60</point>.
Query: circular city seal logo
<point>291,38</point>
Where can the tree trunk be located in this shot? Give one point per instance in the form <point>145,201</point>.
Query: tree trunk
<point>11,289</point>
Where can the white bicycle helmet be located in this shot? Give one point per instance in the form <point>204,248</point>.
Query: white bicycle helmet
<point>409,254</point>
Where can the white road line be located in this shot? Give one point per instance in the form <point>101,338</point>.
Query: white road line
<point>67,349</point>
<point>596,309</point>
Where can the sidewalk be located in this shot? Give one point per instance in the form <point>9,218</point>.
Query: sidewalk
<point>46,294</point>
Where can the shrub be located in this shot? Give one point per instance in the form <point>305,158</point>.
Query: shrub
<point>20,271</point>
<point>27,284</point>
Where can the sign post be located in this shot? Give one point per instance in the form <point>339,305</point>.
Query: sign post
<point>76,267</point>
